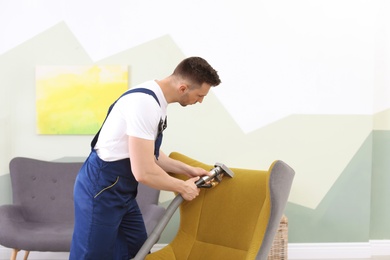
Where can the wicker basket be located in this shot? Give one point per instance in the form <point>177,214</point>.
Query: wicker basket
<point>279,245</point>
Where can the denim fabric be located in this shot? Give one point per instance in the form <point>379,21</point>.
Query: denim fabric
<point>108,221</point>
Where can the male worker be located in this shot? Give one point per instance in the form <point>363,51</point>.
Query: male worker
<point>126,150</point>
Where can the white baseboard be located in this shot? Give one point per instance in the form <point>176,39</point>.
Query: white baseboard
<point>295,251</point>
<point>329,250</point>
<point>380,247</point>
<point>339,250</point>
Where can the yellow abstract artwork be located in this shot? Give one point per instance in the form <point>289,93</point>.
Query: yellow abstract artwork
<point>73,100</point>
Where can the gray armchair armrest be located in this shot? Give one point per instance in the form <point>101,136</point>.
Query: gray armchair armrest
<point>12,213</point>
<point>152,214</point>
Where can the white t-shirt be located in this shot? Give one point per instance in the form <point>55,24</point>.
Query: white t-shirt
<point>135,114</point>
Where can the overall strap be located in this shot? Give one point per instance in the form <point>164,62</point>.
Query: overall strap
<point>139,90</point>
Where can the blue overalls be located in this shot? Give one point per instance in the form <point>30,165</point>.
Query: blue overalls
<point>108,221</point>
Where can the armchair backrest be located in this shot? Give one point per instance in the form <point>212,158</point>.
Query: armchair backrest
<point>43,189</point>
<point>231,217</point>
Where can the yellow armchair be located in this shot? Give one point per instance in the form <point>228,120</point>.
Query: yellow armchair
<point>236,220</point>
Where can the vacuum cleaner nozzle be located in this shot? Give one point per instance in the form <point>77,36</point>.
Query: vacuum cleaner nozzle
<point>225,169</point>
<point>216,174</point>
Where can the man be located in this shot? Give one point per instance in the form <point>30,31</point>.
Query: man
<point>108,222</point>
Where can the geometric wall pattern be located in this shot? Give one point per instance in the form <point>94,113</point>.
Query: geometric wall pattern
<point>344,213</point>
<point>357,207</point>
<point>341,187</point>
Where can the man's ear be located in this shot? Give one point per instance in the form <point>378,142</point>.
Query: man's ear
<point>183,88</point>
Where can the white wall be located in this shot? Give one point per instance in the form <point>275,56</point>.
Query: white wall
<point>317,56</point>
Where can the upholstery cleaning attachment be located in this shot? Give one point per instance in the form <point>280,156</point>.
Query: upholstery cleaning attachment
<point>215,177</point>
<point>207,181</point>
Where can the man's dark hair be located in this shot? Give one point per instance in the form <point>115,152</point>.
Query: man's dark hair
<point>198,71</point>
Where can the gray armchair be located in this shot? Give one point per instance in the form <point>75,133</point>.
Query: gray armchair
<point>42,215</point>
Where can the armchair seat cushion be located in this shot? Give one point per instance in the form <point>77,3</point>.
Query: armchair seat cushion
<point>36,236</point>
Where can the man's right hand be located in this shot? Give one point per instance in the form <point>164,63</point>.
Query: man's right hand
<point>190,190</point>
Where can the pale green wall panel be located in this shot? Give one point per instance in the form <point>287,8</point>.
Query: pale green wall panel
<point>5,189</point>
<point>380,196</point>
<point>172,227</point>
<point>344,214</point>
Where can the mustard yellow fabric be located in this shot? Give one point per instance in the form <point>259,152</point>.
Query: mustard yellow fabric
<point>227,222</point>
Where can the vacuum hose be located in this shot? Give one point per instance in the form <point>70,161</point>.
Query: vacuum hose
<point>159,228</point>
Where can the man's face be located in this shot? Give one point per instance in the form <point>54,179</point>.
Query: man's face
<point>192,96</point>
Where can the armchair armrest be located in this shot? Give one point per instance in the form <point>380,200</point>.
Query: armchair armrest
<point>11,213</point>
<point>152,214</point>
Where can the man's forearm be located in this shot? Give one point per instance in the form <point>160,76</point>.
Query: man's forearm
<point>173,166</point>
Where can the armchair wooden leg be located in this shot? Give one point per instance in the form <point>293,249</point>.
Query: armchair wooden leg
<point>14,253</point>
<point>26,253</point>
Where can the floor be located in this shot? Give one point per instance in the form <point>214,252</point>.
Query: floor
<point>64,256</point>
<point>5,255</point>
<point>372,258</point>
